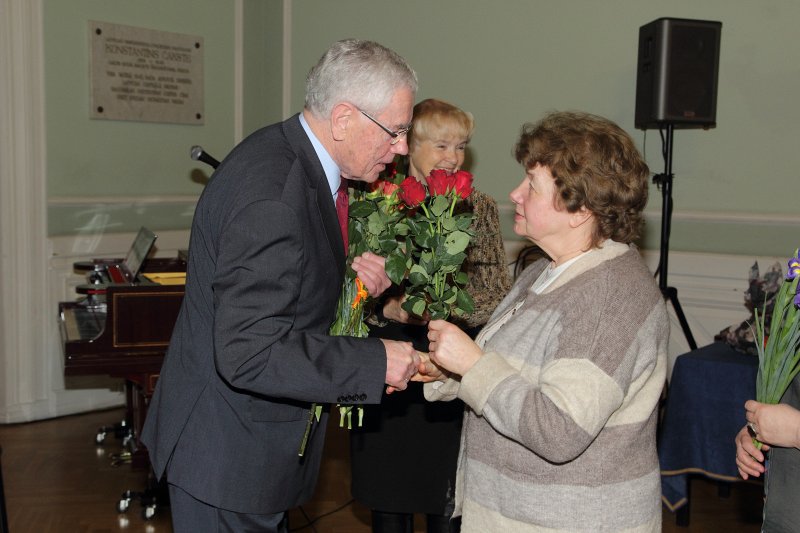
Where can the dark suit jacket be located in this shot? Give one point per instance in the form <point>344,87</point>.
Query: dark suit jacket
<point>250,349</point>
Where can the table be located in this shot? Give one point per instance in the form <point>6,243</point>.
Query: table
<point>704,411</point>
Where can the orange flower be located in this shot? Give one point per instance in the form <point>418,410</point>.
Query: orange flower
<point>361,294</point>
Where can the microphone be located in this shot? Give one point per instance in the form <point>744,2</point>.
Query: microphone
<point>198,154</point>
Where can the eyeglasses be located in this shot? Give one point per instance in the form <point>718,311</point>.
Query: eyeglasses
<point>395,135</point>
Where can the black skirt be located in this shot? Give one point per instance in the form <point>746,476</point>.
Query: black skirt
<point>403,458</point>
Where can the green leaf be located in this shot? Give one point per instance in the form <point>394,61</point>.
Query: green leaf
<point>439,205</point>
<point>401,229</point>
<point>431,291</point>
<point>425,239</point>
<point>456,242</point>
<point>452,262</point>
<point>418,275</point>
<point>464,302</point>
<point>429,266</point>
<point>438,311</point>
<point>449,296</point>
<point>361,209</point>
<point>372,243</point>
<point>386,246</point>
<point>396,267</point>
<point>464,222</point>
<point>414,305</point>
<point>376,224</point>
<point>358,248</point>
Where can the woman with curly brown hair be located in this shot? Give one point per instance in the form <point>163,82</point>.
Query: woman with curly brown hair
<point>562,384</point>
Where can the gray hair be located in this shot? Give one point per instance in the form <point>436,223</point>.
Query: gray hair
<point>363,73</point>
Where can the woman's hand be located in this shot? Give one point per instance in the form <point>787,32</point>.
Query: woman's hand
<point>452,349</point>
<point>748,457</point>
<point>393,310</point>
<point>428,371</point>
<point>777,425</point>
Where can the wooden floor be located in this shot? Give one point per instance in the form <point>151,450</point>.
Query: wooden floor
<point>57,480</point>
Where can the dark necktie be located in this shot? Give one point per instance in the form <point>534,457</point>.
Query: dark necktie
<point>341,210</point>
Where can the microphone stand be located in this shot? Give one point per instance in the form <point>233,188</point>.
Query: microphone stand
<point>664,182</point>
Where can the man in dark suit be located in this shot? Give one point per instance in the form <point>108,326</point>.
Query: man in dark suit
<point>250,350</point>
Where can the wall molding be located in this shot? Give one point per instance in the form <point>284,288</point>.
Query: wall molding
<point>715,217</point>
<point>722,232</point>
<point>77,201</point>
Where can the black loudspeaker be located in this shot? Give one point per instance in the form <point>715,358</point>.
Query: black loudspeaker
<point>677,73</point>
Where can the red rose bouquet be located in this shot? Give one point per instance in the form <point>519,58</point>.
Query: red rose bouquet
<point>436,243</point>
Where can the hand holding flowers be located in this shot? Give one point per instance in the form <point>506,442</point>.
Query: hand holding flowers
<point>371,270</point>
<point>779,352</point>
<point>776,424</point>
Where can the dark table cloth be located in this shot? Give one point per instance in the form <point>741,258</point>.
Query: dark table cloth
<point>703,413</point>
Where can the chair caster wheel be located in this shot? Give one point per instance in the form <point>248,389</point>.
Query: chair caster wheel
<point>124,502</point>
<point>148,512</point>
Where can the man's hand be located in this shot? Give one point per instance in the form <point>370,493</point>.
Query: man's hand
<point>402,362</point>
<point>371,269</point>
<point>427,371</point>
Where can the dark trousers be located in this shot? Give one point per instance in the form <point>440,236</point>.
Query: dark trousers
<point>190,515</point>
<point>383,522</point>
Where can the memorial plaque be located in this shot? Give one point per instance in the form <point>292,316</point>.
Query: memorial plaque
<point>145,75</point>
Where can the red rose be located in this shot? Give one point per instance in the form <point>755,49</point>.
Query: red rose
<point>382,186</point>
<point>412,192</point>
<point>389,188</point>
<point>439,183</point>
<point>463,186</point>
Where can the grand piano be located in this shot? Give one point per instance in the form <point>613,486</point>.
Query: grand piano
<point>121,326</point>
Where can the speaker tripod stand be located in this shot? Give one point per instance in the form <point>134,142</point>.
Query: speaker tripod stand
<point>664,182</point>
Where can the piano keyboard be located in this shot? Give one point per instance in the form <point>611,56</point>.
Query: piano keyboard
<point>83,323</point>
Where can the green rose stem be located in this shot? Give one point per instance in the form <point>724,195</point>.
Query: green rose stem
<point>427,216</point>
